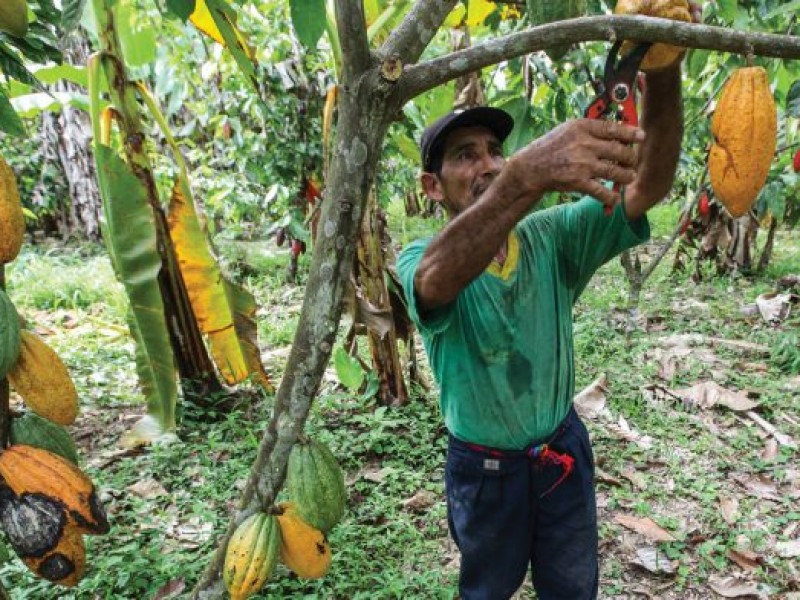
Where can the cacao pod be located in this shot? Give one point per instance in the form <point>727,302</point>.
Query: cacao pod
<point>66,563</point>
<point>796,162</point>
<point>29,470</point>
<point>744,126</point>
<point>253,551</point>
<point>42,380</point>
<point>547,11</point>
<point>12,221</point>
<point>9,333</point>
<point>315,483</point>
<point>304,549</point>
<point>660,55</point>
<point>32,430</point>
<point>14,17</point>
<point>33,523</point>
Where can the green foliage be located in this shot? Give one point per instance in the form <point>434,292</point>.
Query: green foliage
<point>308,17</point>
<point>786,352</point>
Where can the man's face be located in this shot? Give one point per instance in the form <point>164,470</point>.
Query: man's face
<point>473,157</point>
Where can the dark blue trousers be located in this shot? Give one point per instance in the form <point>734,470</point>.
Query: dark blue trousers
<point>504,515</point>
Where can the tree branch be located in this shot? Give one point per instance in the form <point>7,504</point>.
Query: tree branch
<point>352,28</point>
<point>413,35</point>
<point>427,75</point>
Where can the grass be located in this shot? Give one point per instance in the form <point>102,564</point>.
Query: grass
<point>165,530</point>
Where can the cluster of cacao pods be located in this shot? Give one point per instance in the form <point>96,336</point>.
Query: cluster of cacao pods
<point>294,532</point>
<point>46,502</point>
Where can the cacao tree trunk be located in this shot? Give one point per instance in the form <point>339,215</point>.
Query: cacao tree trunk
<point>739,253</point>
<point>766,253</point>
<point>67,136</point>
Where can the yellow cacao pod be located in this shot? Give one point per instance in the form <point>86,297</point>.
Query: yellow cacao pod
<point>42,380</point>
<point>29,470</point>
<point>253,552</point>
<point>304,549</point>
<point>744,127</point>
<point>660,55</point>
<point>14,17</point>
<point>66,563</point>
<point>12,222</point>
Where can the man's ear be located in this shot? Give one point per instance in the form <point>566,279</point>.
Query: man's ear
<point>432,186</point>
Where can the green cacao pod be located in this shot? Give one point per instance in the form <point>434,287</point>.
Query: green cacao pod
<point>32,430</point>
<point>315,484</point>
<point>253,551</point>
<point>14,17</point>
<point>547,11</point>
<point>9,335</point>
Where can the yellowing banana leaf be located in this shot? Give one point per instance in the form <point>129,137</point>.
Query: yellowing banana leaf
<point>210,25</point>
<point>244,321</point>
<point>131,238</point>
<point>209,293</point>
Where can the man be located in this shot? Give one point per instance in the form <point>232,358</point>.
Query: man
<point>492,295</point>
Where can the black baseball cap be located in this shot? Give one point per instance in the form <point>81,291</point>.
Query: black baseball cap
<point>432,143</point>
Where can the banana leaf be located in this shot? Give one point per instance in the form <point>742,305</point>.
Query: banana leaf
<point>131,238</point>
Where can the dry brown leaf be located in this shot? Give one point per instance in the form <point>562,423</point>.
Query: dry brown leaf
<point>419,502</point>
<point>709,393</point>
<point>731,587</point>
<point>636,478</point>
<point>603,477</point>
<point>377,475</point>
<point>623,430</point>
<point>781,438</point>
<point>770,450</point>
<point>147,489</point>
<point>746,559</point>
<point>645,526</point>
<point>790,549</point>
<point>170,589</point>
<point>774,307</point>
<point>591,401</point>
<point>758,486</point>
<point>654,561</point>
<point>729,507</point>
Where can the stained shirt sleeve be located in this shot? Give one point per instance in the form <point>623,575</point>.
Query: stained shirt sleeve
<point>589,238</point>
<point>429,322</point>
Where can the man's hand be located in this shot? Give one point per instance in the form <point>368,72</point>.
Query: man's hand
<point>577,157</point>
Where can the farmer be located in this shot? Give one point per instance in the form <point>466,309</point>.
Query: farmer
<point>492,295</point>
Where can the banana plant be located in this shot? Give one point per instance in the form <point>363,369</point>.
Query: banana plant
<point>178,297</point>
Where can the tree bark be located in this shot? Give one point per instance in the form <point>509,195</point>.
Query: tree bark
<point>766,253</point>
<point>68,137</point>
<point>374,88</point>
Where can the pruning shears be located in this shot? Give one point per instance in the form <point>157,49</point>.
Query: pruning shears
<point>617,91</point>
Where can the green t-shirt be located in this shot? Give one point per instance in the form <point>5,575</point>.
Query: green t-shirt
<point>502,351</point>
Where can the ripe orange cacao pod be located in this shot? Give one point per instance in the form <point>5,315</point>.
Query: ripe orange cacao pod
<point>304,549</point>
<point>29,470</point>
<point>12,221</point>
<point>66,563</point>
<point>744,127</point>
<point>660,55</point>
<point>42,379</point>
